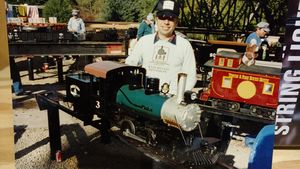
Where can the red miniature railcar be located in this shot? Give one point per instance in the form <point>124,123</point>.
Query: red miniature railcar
<point>253,87</point>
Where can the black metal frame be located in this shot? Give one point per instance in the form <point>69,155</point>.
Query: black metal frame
<point>58,50</point>
<point>227,17</point>
<point>50,100</point>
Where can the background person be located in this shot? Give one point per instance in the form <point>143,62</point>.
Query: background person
<point>146,26</point>
<point>262,29</point>
<point>256,42</point>
<point>76,25</point>
<point>164,54</point>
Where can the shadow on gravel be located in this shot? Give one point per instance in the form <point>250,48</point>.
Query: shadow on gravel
<point>18,132</point>
<point>31,148</point>
<point>90,153</point>
<point>34,89</point>
<point>225,162</point>
<point>76,136</point>
<point>38,61</point>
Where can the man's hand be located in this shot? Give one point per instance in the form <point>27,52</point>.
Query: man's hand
<point>251,51</point>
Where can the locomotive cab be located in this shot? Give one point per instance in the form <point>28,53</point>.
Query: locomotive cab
<point>94,91</point>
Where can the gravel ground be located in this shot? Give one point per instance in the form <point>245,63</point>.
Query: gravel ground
<point>81,145</point>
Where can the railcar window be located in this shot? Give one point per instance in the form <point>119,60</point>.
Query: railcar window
<point>227,82</point>
<point>268,88</point>
<point>221,61</point>
<point>229,62</point>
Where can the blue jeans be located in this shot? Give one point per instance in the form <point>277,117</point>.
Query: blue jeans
<point>17,88</point>
<point>15,76</point>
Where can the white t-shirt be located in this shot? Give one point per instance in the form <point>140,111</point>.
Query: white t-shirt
<point>164,60</point>
<point>76,24</point>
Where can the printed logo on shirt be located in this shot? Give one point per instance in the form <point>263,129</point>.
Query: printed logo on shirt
<point>161,54</point>
<point>159,60</point>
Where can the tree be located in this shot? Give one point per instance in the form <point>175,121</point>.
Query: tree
<point>127,10</point>
<point>90,10</point>
<point>58,8</point>
<point>94,10</point>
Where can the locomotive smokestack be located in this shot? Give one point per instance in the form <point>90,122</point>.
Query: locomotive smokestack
<point>181,87</point>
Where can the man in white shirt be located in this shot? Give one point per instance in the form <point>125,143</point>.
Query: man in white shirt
<point>164,55</point>
<point>76,25</point>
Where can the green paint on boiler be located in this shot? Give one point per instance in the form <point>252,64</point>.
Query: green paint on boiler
<point>149,105</point>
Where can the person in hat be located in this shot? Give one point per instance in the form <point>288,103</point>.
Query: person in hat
<point>256,42</point>
<point>146,26</point>
<point>76,25</point>
<point>262,29</point>
<point>164,54</point>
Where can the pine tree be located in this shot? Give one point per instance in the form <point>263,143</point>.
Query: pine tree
<point>58,8</point>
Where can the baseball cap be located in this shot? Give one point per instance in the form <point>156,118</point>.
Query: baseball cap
<point>75,12</point>
<point>264,26</point>
<point>167,8</point>
<point>150,17</point>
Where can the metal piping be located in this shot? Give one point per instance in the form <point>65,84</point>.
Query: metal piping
<point>181,87</point>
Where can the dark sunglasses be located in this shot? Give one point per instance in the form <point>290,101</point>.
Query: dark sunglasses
<point>169,18</point>
<point>264,30</point>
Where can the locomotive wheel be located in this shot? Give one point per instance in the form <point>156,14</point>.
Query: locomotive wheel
<point>234,106</point>
<point>128,126</point>
<point>268,114</point>
<point>271,114</point>
<point>214,103</point>
<point>259,112</point>
<point>256,111</point>
<point>151,137</point>
<point>253,110</point>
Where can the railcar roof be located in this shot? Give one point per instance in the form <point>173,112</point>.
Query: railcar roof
<point>253,68</point>
<point>230,54</point>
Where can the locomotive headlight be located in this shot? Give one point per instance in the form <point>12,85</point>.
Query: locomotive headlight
<point>190,96</point>
<point>193,96</point>
<point>165,88</point>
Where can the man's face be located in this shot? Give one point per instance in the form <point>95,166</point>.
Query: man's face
<point>166,25</point>
<point>261,32</point>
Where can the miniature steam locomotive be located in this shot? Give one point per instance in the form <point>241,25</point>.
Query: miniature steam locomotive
<point>172,128</point>
<point>132,105</point>
<point>235,86</point>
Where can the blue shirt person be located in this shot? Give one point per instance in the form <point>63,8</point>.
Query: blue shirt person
<point>262,28</point>
<point>146,26</point>
<point>255,39</point>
